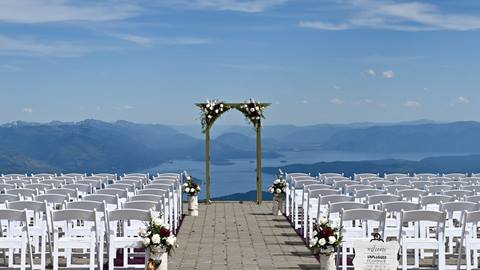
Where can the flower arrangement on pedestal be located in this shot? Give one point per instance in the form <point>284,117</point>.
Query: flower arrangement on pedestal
<point>253,111</point>
<point>211,111</point>
<point>279,190</point>
<point>326,240</point>
<point>192,189</point>
<point>158,240</point>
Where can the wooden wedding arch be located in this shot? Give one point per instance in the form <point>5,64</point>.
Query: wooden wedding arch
<point>253,111</point>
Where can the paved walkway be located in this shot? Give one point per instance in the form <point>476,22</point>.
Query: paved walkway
<point>231,235</point>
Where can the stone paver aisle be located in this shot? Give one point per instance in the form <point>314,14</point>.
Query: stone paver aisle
<point>231,235</point>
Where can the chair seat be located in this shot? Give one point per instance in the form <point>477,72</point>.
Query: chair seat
<point>126,242</point>
<point>426,243</point>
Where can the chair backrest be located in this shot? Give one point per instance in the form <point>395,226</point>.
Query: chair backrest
<point>438,189</point>
<point>433,202</point>
<point>63,191</point>
<point>472,217</point>
<point>361,176</point>
<point>299,184</point>
<point>137,183</point>
<point>333,179</point>
<point>393,176</point>
<point>15,175</point>
<point>159,186</point>
<point>80,187</point>
<point>66,179</point>
<point>55,183</point>
<point>109,176</point>
<point>417,216</point>
<point>109,199</point>
<point>472,180</point>
<point>457,184</point>
<point>39,187</point>
<point>18,182</point>
<point>28,205</point>
<point>51,198</point>
<point>377,199</point>
<point>86,205</point>
<point>328,199</point>
<point>6,187</point>
<point>363,215</point>
<point>339,206</point>
<point>317,186</point>
<point>73,214</point>
<point>395,188</point>
<point>422,184</point>
<point>128,214</point>
<point>97,184</point>
<point>8,197</point>
<point>410,194</point>
<point>455,175</point>
<point>77,176</point>
<point>399,206</point>
<point>439,180</point>
<point>380,184</point>
<point>368,180</point>
<point>473,188</point>
<point>12,215</point>
<point>24,192</point>
<point>322,192</point>
<point>147,197</point>
<point>474,198</point>
<point>425,176</point>
<point>159,192</point>
<point>406,180</point>
<point>450,207</point>
<point>121,193</point>
<point>164,181</point>
<point>458,193</point>
<point>368,192</point>
<point>140,205</point>
<point>129,187</point>
<point>351,189</point>
<point>45,175</point>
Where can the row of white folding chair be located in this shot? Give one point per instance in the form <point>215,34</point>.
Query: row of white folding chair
<point>297,196</point>
<point>176,180</point>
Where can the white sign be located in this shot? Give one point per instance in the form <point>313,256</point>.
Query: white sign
<point>375,255</point>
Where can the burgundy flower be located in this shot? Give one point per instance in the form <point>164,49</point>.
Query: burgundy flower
<point>327,232</point>
<point>164,232</point>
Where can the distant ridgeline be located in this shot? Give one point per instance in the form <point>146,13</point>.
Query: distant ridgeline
<point>450,164</point>
<point>97,146</point>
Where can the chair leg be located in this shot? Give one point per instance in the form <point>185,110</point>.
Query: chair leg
<point>441,256</point>
<point>43,252</point>
<point>404,257</point>
<point>305,217</point>
<point>344,258</point>
<point>55,258</point>
<point>475,258</point>
<point>100,253</point>
<point>111,257</point>
<point>23,257</point>
<point>92,254</point>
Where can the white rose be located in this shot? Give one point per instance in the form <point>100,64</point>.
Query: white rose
<point>154,214</point>
<point>209,116</point>
<point>185,185</point>
<point>171,240</point>
<point>156,239</point>
<point>192,190</point>
<point>252,109</point>
<point>284,189</point>
<point>187,189</point>
<point>276,181</point>
<point>216,111</point>
<point>313,242</point>
<point>258,117</point>
<point>142,232</point>
<point>321,242</point>
<point>198,188</point>
<point>323,220</point>
<point>257,108</point>
<point>279,190</point>
<point>332,239</point>
<point>315,233</point>
<point>146,241</point>
<point>157,222</point>
<point>221,105</point>
<point>272,190</point>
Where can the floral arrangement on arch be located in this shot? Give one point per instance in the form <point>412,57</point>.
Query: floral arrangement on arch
<point>211,111</point>
<point>190,187</point>
<point>279,187</point>
<point>253,111</point>
<point>157,234</point>
<point>326,238</point>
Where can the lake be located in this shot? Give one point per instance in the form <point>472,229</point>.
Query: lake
<point>240,176</point>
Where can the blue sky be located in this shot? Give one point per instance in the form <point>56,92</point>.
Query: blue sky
<point>316,61</point>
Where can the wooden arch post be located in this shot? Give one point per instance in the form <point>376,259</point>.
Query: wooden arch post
<point>258,128</point>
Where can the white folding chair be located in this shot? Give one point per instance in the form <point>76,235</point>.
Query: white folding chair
<point>311,206</point>
<point>416,242</point>
<point>14,236</point>
<point>119,238</point>
<point>392,223</point>
<point>470,240</point>
<point>72,237</point>
<point>37,223</point>
<point>356,225</point>
<point>112,201</point>
<point>454,223</point>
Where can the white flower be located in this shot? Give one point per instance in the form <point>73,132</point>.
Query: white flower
<point>209,116</point>
<point>332,239</point>
<point>216,111</point>
<point>187,189</point>
<point>252,109</point>
<point>189,177</point>
<point>185,185</point>
<point>323,220</point>
<point>142,232</point>
<point>192,190</point>
<point>276,181</point>
<point>321,242</point>
<point>272,190</point>
<point>279,190</point>
<point>315,233</point>
<point>154,214</point>
<point>313,242</point>
<point>258,117</point>
<point>257,108</point>
<point>157,221</point>
<point>146,241</point>
<point>171,240</point>
<point>284,189</point>
<point>221,105</point>
<point>198,188</point>
<point>156,239</point>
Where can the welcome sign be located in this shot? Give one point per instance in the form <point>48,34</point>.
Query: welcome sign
<point>375,255</point>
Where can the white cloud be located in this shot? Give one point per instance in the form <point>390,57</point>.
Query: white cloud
<point>27,110</point>
<point>371,72</point>
<point>367,101</point>
<point>255,67</point>
<point>44,11</point>
<point>337,87</point>
<point>34,47</point>
<point>250,6</point>
<point>462,100</point>
<point>388,74</point>
<point>337,101</point>
<point>139,40</point>
<point>324,26</point>
<point>403,16</point>
<point>412,104</point>
<point>304,101</point>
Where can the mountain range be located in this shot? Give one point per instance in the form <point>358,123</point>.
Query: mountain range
<point>93,145</point>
